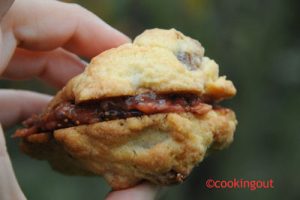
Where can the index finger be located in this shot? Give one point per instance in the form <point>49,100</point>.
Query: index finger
<point>46,25</point>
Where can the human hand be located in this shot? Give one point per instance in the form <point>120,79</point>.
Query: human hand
<point>42,39</point>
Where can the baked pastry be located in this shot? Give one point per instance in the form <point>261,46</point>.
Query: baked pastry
<point>146,110</point>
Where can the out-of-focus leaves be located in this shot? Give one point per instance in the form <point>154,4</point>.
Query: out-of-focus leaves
<point>257,45</point>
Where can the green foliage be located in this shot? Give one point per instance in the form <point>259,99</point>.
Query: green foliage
<point>257,45</point>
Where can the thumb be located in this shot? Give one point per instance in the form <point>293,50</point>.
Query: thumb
<point>9,187</point>
<point>145,191</point>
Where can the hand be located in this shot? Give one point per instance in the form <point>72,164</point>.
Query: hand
<point>42,39</point>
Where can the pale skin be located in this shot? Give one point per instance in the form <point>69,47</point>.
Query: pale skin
<point>43,38</point>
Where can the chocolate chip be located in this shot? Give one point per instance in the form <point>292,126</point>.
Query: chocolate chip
<point>188,60</point>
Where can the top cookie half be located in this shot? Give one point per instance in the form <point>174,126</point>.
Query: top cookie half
<point>163,61</point>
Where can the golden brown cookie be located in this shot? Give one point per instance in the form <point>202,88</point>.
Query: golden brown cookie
<point>142,111</point>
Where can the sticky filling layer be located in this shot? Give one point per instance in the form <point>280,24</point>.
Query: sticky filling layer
<point>68,114</point>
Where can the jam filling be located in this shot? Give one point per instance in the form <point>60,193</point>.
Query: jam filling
<point>68,114</point>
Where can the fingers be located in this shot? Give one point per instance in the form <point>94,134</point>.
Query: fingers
<point>17,105</point>
<point>46,25</point>
<point>56,67</point>
<point>9,187</point>
<point>145,191</point>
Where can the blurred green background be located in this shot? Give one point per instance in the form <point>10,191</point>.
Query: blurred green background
<point>257,45</point>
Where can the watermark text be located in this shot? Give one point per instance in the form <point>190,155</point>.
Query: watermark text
<point>239,184</point>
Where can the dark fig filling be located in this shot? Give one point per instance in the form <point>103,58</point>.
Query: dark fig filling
<point>68,114</point>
